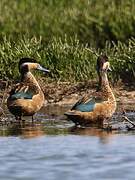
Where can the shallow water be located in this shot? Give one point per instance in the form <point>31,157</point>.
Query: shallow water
<point>52,149</point>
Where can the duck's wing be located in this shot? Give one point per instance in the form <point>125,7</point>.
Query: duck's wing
<point>87,105</point>
<point>88,102</point>
<point>23,91</point>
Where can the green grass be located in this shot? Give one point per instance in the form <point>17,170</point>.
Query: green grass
<point>66,35</point>
<point>92,21</point>
<point>68,60</point>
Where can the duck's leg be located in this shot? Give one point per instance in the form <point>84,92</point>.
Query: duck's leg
<point>32,119</point>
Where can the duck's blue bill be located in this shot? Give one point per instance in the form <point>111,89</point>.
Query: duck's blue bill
<point>109,69</point>
<point>43,69</point>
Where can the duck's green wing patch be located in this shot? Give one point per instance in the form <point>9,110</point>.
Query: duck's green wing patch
<point>87,106</point>
<point>22,95</point>
<point>21,91</point>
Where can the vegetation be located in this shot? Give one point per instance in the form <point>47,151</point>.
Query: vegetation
<point>66,36</point>
<point>68,60</point>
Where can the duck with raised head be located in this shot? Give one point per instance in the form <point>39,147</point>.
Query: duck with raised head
<point>26,97</point>
<point>94,110</point>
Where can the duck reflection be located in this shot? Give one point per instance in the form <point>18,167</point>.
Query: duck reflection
<point>24,130</point>
<point>35,130</point>
<point>103,135</point>
<point>27,129</point>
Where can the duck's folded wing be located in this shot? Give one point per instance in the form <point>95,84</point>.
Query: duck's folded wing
<point>86,106</point>
<point>21,91</point>
<point>22,95</point>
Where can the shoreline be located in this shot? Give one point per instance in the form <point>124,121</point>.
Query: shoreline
<point>66,93</point>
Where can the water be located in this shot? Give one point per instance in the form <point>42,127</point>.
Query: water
<point>52,149</point>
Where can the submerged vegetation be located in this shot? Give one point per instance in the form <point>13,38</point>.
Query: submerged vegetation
<point>66,37</point>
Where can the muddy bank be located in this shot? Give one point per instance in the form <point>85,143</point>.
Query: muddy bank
<point>66,93</point>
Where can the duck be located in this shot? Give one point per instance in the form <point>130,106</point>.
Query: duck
<point>26,97</point>
<point>94,111</point>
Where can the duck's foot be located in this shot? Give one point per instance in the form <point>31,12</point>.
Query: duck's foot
<point>32,119</point>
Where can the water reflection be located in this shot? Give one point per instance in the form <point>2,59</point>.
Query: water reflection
<point>103,135</point>
<point>24,130</point>
<point>37,129</point>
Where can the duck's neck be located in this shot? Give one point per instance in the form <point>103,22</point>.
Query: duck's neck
<point>105,87</point>
<point>29,78</point>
